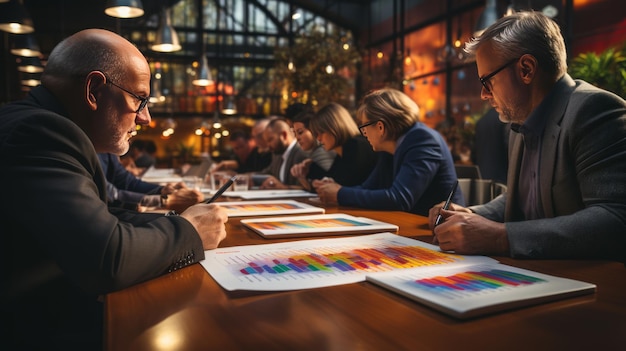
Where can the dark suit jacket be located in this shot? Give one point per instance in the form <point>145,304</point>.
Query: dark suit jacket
<point>61,247</point>
<point>296,155</point>
<point>582,175</point>
<point>418,175</point>
<point>130,189</point>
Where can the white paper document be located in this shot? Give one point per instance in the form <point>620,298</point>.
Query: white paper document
<point>264,208</point>
<point>263,194</point>
<point>471,291</point>
<point>323,262</point>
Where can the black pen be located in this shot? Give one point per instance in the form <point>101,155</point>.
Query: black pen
<point>221,190</point>
<point>447,204</point>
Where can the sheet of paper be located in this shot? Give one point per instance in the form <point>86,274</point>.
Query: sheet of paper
<point>322,262</point>
<point>316,225</point>
<point>161,175</point>
<point>263,194</point>
<point>264,208</point>
<point>470,291</point>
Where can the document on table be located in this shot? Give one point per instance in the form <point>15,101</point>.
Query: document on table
<point>161,175</point>
<point>265,208</point>
<point>316,225</point>
<point>323,262</point>
<point>264,194</point>
<point>471,291</point>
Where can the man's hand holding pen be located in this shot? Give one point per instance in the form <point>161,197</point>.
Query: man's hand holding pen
<point>463,232</point>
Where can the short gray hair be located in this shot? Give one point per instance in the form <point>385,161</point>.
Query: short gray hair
<point>526,32</point>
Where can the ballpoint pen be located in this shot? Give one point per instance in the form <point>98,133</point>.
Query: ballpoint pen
<point>447,204</point>
<point>221,190</point>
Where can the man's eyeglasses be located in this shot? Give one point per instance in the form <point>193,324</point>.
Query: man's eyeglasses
<point>362,126</point>
<point>484,80</point>
<point>144,100</point>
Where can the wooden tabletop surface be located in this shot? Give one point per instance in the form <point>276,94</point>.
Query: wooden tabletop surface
<point>188,310</point>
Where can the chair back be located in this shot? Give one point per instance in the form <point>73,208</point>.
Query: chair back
<point>480,191</point>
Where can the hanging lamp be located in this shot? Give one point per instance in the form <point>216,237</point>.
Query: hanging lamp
<point>25,45</point>
<point>29,65</point>
<point>229,106</point>
<point>488,17</point>
<point>124,8</point>
<point>204,77</point>
<point>166,36</point>
<point>15,19</point>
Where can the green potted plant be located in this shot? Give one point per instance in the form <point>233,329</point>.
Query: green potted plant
<point>606,70</point>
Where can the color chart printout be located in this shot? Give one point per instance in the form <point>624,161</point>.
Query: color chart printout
<point>309,224</point>
<point>324,262</point>
<point>260,208</point>
<point>316,225</point>
<point>473,290</point>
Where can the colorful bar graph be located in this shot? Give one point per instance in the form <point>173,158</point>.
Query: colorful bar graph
<point>375,259</point>
<point>474,282</point>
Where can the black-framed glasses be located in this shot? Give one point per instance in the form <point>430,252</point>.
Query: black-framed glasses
<point>484,80</point>
<point>362,126</point>
<point>143,100</point>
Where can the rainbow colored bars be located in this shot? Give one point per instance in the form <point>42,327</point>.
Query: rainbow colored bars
<point>368,259</point>
<point>473,281</point>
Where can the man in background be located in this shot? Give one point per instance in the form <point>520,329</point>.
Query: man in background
<point>283,145</point>
<point>248,158</point>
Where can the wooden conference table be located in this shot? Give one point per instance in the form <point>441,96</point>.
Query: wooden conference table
<point>187,310</point>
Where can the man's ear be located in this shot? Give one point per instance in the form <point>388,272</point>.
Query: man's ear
<point>528,68</point>
<point>94,82</point>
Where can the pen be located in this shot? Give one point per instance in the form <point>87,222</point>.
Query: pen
<point>447,204</point>
<point>221,190</point>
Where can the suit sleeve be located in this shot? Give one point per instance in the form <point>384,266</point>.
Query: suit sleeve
<point>59,212</point>
<point>588,190</point>
<point>418,163</point>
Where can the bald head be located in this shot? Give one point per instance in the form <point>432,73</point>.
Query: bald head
<point>278,136</point>
<point>101,80</point>
<point>86,51</point>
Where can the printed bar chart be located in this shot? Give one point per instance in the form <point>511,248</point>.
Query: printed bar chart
<point>323,262</point>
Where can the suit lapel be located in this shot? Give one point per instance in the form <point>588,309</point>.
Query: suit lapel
<point>555,111</point>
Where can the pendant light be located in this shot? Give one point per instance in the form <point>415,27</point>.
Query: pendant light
<point>203,74</point>
<point>166,36</point>
<point>488,17</point>
<point>15,19</point>
<point>124,8</point>
<point>229,106</point>
<point>204,77</point>
<point>29,65</point>
<point>25,45</point>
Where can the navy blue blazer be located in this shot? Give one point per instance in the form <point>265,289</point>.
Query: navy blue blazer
<point>130,189</point>
<point>417,176</point>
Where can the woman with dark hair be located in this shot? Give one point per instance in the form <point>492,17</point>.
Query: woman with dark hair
<point>415,169</point>
<point>318,156</point>
<point>336,131</point>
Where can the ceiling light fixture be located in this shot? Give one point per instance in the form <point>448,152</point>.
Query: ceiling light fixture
<point>166,36</point>
<point>15,19</point>
<point>124,8</point>
<point>488,17</point>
